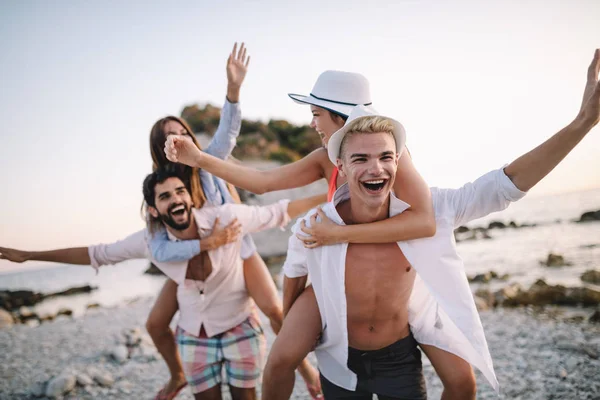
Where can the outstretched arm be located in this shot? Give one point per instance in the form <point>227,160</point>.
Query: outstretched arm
<point>527,170</point>
<point>302,172</point>
<point>133,246</point>
<point>73,255</point>
<point>416,222</point>
<point>261,218</point>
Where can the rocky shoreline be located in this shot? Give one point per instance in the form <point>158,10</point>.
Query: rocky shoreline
<point>537,353</point>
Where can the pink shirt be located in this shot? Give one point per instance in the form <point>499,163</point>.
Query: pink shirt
<point>225,302</point>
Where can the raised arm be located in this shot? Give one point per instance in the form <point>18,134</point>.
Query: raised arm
<point>527,170</point>
<point>416,222</point>
<point>225,137</point>
<point>300,173</point>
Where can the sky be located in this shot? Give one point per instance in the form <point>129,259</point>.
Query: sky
<point>476,84</point>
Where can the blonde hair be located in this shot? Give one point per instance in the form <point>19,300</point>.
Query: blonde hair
<point>366,125</point>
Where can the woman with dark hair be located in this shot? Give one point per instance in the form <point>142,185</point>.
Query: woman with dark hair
<point>205,190</point>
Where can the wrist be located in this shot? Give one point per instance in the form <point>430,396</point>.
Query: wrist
<point>338,234</point>
<point>206,244</point>
<point>233,93</point>
<point>584,122</point>
<point>198,160</point>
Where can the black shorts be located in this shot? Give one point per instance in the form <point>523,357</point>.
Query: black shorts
<point>394,372</point>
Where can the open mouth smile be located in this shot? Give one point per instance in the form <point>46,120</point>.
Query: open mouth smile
<point>374,186</point>
<point>178,210</point>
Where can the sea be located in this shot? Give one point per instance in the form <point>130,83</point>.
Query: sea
<point>517,252</point>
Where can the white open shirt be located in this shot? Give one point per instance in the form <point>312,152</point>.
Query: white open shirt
<point>442,310</point>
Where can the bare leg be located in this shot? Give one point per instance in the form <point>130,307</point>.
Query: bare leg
<point>455,373</point>
<point>297,338</point>
<point>214,393</point>
<point>262,289</point>
<point>157,325</point>
<point>242,393</point>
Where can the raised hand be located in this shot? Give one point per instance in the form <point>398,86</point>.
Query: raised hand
<point>14,255</point>
<point>181,149</point>
<point>237,66</point>
<point>590,107</point>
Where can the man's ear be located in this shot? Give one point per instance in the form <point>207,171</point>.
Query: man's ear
<point>153,211</point>
<point>340,167</point>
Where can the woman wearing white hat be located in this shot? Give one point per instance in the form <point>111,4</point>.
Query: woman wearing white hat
<point>331,100</point>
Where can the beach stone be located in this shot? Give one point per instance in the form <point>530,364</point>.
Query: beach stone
<point>591,276</point>
<point>555,260</point>
<point>104,378</point>
<point>92,305</point>
<point>571,363</point>
<point>32,323</point>
<point>133,337</point>
<point>6,319</point>
<point>595,317</point>
<point>60,385</point>
<point>25,312</point>
<point>562,373</point>
<point>38,389</point>
<point>120,354</point>
<point>46,316</point>
<point>84,379</point>
<point>65,311</point>
<point>482,304</point>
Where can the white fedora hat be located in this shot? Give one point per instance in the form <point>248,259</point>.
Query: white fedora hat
<point>335,141</point>
<point>337,91</point>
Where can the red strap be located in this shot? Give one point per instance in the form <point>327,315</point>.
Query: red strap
<point>332,184</point>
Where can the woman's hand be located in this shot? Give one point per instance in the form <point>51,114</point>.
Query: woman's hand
<point>182,149</point>
<point>321,232</point>
<point>237,66</point>
<point>221,236</point>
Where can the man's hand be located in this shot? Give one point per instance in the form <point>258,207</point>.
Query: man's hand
<point>237,66</point>
<point>221,236</point>
<point>14,255</point>
<point>320,233</point>
<point>182,149</point>
<point>590,106</point>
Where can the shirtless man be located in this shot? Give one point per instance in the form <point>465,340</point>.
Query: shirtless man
<point>372,298</point>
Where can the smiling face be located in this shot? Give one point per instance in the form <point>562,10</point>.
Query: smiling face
<point>369,162</point>
<point>172,204</point>
<point>325,123</point>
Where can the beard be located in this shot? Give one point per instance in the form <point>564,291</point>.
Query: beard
<point>169,220</point>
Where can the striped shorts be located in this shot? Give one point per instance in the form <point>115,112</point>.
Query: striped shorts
<point>241,350</point>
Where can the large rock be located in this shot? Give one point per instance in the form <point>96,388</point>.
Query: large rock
<point>591,276</point>
<point>555,260</point>
<point>590,216</point>
<point>72,291</point>
<point>541,294</point>
<point>6,319</point>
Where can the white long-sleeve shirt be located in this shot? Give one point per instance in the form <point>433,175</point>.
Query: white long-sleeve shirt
<point>442,310</point>
<point>224,302</point>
